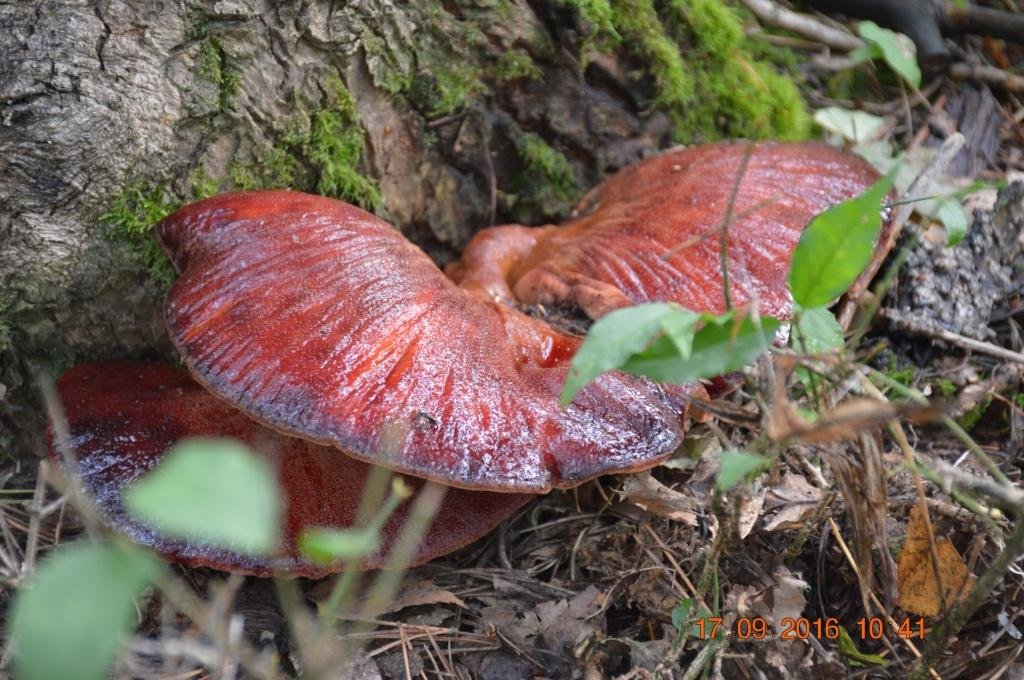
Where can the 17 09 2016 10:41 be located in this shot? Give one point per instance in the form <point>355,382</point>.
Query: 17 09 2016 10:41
<point>759,628</point>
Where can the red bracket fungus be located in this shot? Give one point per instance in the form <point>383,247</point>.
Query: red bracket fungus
<point>651,233</point>
<point>324,322</point>
<point>321,321</point>
<point>123,417</point>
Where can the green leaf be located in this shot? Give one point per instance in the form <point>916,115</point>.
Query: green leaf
<point>856,126</point>
<point>617,336</point>
<point>896,49</point>
<point>211,490</point>
<point>328,545</point>
<point>680,328</point>
<point>954,219</point>
<point>681,611</point>
<point>70,620</point>
<point>836,246</point>
<point>722,345</point>
<point>735,466</point>
<point>816,331</point>
<point>856,657</point>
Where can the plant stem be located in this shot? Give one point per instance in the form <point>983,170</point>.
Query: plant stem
<point>950,424</point>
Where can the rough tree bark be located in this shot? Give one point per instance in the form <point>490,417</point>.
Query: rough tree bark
<point>103,95</point>
<point>442,116</point>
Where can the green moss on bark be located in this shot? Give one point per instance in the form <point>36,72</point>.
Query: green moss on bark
<point>546,183</point>
<point>598,22</point>
<point>723,87</point>
<point>212,63</point>
<point>513,65</point>
<point>130,218</point>
<point>323,156</point>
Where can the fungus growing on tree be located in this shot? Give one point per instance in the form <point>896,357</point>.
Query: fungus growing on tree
<point>123,417</point>
<point>653,232</point>
<point>324,322</point>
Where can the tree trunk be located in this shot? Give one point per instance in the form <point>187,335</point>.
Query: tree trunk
<point>464,113</point>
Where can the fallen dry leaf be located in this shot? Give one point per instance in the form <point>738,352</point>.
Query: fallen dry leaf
<point>795,500</point>
<point>422,592</point>
<point>844,422</point>
<point>916,575</point>
<point>749,511</point>
<point>566,623</point>
<point>783,599</point>
<point>651,495</point>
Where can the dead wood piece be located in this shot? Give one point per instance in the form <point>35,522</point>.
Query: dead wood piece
<point>953,291</point>
<point>1010,82</point>
<point>918,19</point>
<point>952,338</point>
<point>956,18</point>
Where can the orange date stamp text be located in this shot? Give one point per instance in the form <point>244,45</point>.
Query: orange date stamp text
<point>759,628</point>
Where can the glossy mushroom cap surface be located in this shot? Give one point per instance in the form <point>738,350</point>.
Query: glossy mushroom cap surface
<point>651,233</point>
<point>123,417</point>
<point>323,321</point>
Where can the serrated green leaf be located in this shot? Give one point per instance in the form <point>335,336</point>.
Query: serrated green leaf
<point>858,127</point>
<point>816,331</point>
<point>69,622</point>
<point>897,50</point>
<point>836,246</point>
<point>214,491</point>
<point>616,337</point>
<point>720,346</point>
<point>735,466</point>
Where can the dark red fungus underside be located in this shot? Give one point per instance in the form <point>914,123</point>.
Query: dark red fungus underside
<point>123,417</point>
<point>322,321</point>
<point>651,233</point>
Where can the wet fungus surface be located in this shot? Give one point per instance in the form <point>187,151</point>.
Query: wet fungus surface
<point>652,232</point>
<point>123,417</point>
<point>324,322</point>
<point>308,317</point>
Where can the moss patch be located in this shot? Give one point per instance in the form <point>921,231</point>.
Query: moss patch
<point>546,183</point>
<point>212,62</point>
<point>513,65</point>
<point>598,22</point>
<point>972,417</point>
<point>130,218</point>
<point>721,88</point>
<point>440,69</point>
<point>945,388</point>
<point>324,156</point>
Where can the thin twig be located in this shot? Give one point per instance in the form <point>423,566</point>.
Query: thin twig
<point>1008,498</point>
<point>962,341</point>
<point>1011,82</point>
<point>772,14</point>
<point>34,519</point>
<point>951,425</point>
